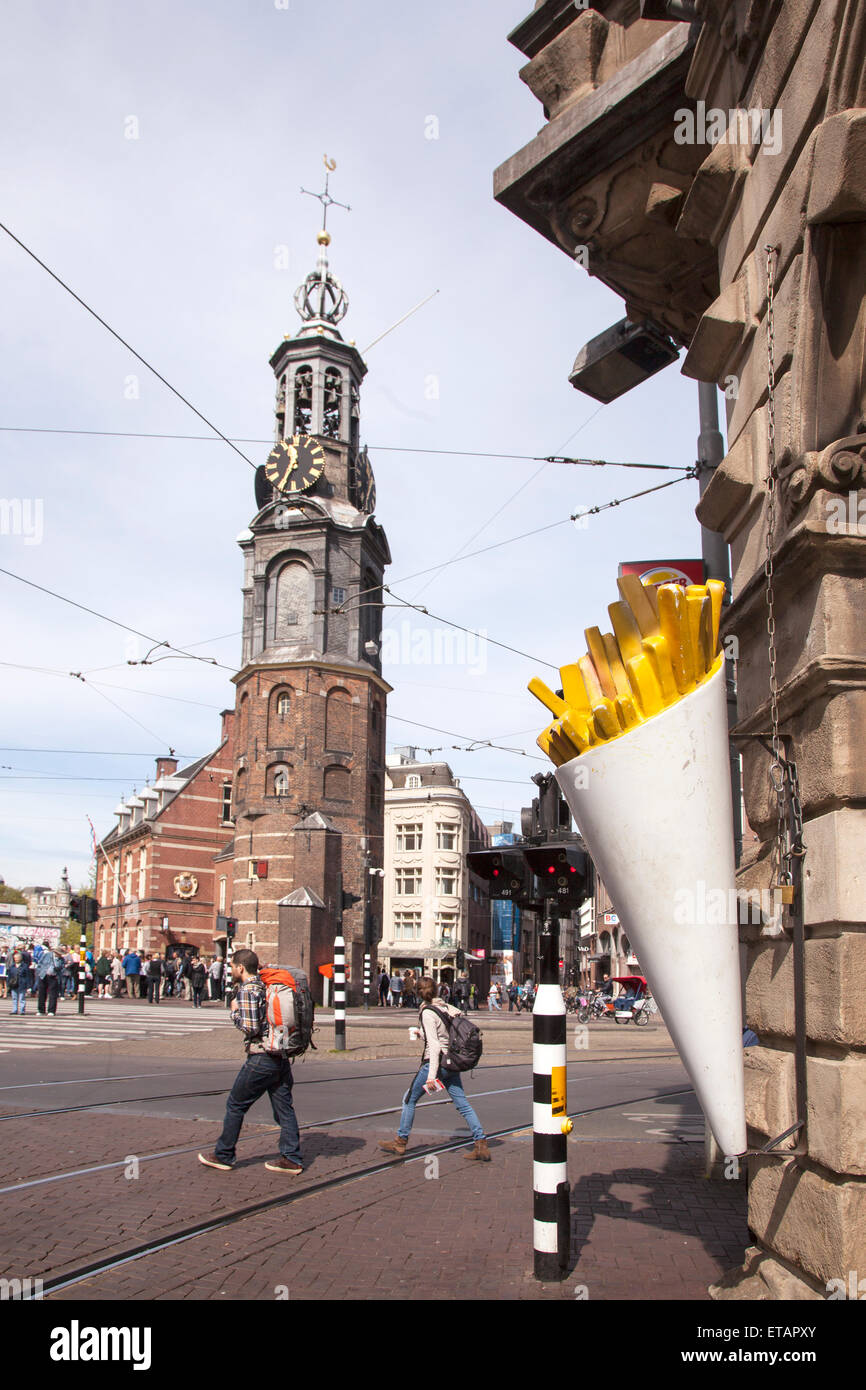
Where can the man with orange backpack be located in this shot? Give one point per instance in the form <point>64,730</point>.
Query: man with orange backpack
<point>269,1044</point>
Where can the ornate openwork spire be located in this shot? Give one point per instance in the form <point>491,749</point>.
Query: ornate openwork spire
<point>321,300</point>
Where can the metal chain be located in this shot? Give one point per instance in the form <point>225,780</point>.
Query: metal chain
<point>777,774</point>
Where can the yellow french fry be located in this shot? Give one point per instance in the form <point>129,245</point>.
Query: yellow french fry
<point>626,712</point>
<point>606,722</point>
<point>644,684</point>
<point>595,643</point>
<point>652,594</point>
<point>562,743</point>
<point>673,617</point>
<point>545,743</point>
<point>716,591</point>
<point>656,649</point>
<point>705,638</point>
<point>576,732</point>
<point>574,689</point>
<point>614,661</point>
<point>627,632</point>
<point>695,595</point>
<point>635,594</point>
<point>552,702</point>
<point>590,680</point>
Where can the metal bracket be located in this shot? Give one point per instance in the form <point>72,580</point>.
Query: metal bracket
<point>798,852</point>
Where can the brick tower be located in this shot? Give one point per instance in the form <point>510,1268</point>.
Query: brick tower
<point>309,769</point>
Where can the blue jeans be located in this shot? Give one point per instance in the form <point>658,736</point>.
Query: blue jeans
<point>19,996</point>
<point>454,1086</point>
<point>262,1071</point>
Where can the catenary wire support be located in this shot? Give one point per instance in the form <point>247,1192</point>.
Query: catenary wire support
<point>551,1209</point>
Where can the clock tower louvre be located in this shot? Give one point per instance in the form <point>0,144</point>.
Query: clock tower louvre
<point>308,790</point>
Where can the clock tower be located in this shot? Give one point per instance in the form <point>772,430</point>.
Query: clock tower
<point>308,785</point>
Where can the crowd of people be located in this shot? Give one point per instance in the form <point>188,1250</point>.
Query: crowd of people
<point>401,992</point>
<point>48,974</point>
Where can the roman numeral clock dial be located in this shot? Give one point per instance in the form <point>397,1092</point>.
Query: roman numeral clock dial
<point>295,464</point>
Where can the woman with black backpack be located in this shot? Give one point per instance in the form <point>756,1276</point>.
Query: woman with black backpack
<point>432,1076</point>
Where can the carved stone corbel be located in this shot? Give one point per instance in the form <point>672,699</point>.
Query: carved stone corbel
<point>841,467</point>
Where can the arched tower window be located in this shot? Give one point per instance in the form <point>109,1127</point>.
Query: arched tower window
<point>243,712</point>
<point>371,610</point>
<point>280,722</point>
<point>303,400</point>
<point>278,778</point>
<point>332,404</point>
<point>241,787</point>
<point>355,414</point>
<point>338,721</point>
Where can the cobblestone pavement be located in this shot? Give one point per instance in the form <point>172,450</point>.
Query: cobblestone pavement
<point>645,1225</point>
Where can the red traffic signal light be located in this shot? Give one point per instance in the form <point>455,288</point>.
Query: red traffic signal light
<point>562,871</point>
<point>503,870</point>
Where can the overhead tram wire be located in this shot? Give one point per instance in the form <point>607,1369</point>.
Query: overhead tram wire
<point>128,346</point>
<point>377,448</point>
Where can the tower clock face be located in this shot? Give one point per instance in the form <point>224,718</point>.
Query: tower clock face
<point>365,486</point>
<point>295,464</point>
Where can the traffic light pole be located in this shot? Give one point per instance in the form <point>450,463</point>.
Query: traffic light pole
<point>550,1124</point>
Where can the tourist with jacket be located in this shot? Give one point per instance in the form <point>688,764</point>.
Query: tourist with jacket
<point>215,978</point>
<point>19,973</point>
<point>197,977</point>
<point>434,1030</point>
<point>132,971</point>
<point>153,971</point>
<point>48,971</point>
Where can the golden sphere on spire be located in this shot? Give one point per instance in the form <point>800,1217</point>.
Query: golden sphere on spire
<point>324,238</point>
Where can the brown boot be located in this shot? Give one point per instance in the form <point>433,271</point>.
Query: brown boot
<point>480,1151</point>
<point>395,1146</point>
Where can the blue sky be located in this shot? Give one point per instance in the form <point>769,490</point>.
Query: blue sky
<point>174,238</point>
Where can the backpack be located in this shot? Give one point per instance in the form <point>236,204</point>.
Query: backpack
<point>291,1011</point>
<point>464,1041</point>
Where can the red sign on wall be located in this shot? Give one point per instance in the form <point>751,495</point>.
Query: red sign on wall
<point>665,571</point>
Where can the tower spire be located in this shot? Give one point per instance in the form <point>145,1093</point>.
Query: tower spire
<point>321,300</point>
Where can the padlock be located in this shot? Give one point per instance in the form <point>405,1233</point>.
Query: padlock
<point>785,893</point>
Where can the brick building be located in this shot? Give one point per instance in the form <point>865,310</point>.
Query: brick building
<point>156,876</point>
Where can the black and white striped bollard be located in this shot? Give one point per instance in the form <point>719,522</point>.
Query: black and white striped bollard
<point>339,994</point>
<point>366,979</point>
<point>82,960</point>
<point>551,1227</point>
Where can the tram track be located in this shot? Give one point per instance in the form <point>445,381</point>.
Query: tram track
<point>97,1267</point>
<point>299,1081</point>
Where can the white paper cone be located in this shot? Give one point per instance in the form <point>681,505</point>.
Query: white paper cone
<point>654,808</point>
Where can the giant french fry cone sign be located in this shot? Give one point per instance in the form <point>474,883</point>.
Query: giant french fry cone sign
<point>640,744</point>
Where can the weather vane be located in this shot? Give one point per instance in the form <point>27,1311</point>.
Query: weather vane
<point>325,198</point>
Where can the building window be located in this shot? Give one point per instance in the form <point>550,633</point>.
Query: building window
<point>446,836</point>
<point>338,596</point>
<point>408,881</point>
<point>281,782</point>
<point>446,883</point>
<point>446,926</point>
<point>142,873</point>
<point>407,926</point>
<point>128,875</point>
<point>105,883</point>
<point>284,705</point>
<point>222,898</point>
<point>227,801</point>
<point>409,835</point>
<point>413,781</point>
<point>332,403</point>
<point>116,877</point>
<point>338,721</point>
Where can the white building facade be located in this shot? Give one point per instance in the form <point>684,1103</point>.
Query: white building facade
<point>433,906</point>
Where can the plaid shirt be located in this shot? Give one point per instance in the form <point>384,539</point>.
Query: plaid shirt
<point>251,1014</point>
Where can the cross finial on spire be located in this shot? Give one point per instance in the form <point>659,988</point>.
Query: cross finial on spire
<point>325,198</point>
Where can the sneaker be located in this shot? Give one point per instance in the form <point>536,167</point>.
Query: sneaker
<point>283,1165</point>
<point>211,1161</point>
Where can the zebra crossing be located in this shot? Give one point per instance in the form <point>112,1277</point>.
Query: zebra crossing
<point>105,1021</point>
